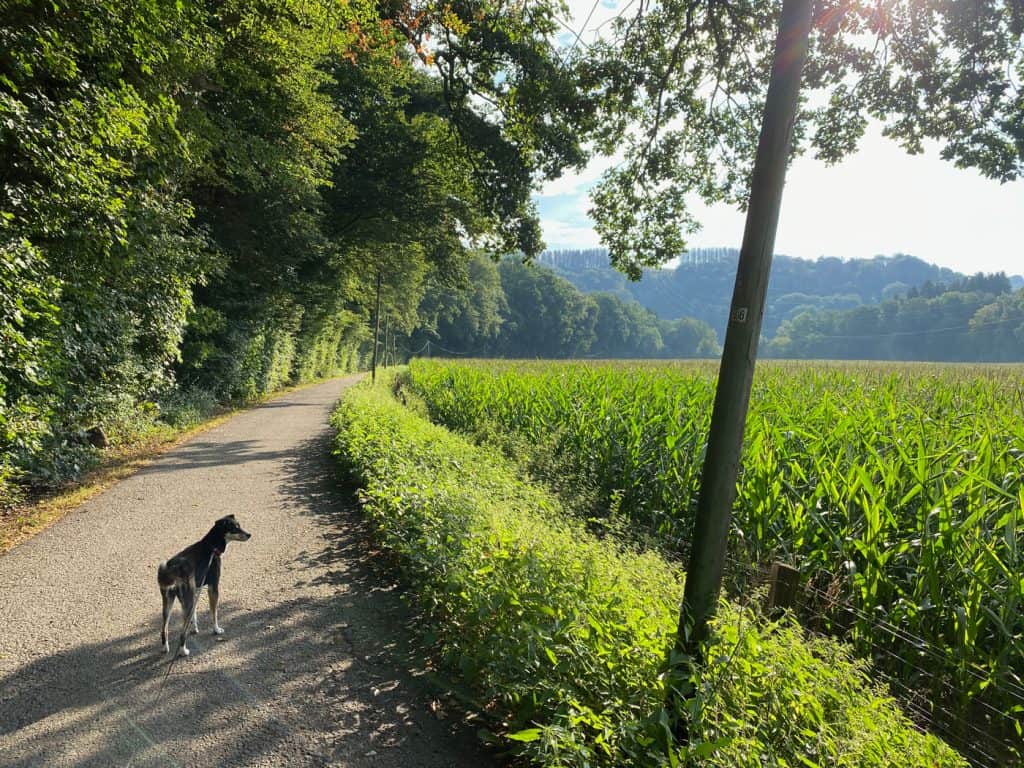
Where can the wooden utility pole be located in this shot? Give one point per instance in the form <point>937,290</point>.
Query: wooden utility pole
<point>721,465</point>
<point>376,334</point>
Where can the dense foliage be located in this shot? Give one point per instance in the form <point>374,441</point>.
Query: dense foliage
<point>562,637</point>
<point>896,491</point>
<point>196,200</point>
<point>516,310</point>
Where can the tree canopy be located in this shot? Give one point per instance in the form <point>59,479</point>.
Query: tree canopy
<point>198,197</point>
<point>683,85</point>
<point>512,309</point>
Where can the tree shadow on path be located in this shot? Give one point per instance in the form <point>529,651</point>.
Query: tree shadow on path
<point>329,675</point>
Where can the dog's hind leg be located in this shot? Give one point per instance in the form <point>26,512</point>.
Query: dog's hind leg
<point>187,596</point>
<point>214,595</point>
<point>168,598</point>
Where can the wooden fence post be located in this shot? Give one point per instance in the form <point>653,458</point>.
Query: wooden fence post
<point>783,583</point>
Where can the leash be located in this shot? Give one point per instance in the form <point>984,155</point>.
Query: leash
<point>190,620</point>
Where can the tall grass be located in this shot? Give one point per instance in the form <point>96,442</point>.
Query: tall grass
<point>897,490</point>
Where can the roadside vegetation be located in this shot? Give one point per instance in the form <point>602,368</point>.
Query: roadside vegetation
<point>896,491</point>
<point>563,636</point>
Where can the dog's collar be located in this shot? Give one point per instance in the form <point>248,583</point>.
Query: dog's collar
<point>217,552</point>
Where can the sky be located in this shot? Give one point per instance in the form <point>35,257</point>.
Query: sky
<point>878,201</point>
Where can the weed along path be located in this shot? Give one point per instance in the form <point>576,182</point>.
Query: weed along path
<point>313,669</point>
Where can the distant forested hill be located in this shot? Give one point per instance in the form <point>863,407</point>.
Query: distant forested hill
<point>976,319</point>
<point>510,309</point>
<point>701,285</point>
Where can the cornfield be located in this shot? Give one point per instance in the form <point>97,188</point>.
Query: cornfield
<point>897,490</point>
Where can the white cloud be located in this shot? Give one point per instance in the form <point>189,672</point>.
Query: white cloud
<point>561,234</point>
<point>579,182</point>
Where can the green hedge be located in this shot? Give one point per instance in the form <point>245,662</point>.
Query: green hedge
<point>563,637</point>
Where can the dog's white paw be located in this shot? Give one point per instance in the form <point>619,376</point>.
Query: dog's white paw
<point>184,651</point>
<point>167,647</point>
<point>218,630</point>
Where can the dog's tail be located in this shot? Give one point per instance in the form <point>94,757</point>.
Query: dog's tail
<point>163,578</point>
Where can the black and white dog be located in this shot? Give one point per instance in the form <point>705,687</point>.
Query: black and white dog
<point>189,571</point>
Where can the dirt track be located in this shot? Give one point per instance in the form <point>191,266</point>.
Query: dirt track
<point>312,669</point>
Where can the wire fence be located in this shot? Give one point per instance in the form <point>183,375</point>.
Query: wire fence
<point>911,667</point>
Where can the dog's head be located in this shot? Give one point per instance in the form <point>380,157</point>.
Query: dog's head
<point>231,530</point>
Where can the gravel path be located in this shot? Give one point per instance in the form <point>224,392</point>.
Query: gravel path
<point>314,668</point>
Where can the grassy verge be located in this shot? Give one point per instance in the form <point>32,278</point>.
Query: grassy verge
<point>33,517</point>
<point>562,637</point>
<point>25,520</point>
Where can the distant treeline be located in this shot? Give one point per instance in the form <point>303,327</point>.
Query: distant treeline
<point>884,308</point>
<point>976,319</point>
<point>509,309</point>
<point>597,258</point>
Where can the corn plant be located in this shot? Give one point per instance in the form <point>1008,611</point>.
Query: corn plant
<point>896,489</point>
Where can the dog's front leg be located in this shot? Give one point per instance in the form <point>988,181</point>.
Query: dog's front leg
<point>214,597</point>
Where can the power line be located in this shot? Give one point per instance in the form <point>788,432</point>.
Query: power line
<point>578,35</point>
<point>568,29</point>
<point>584,27</point>
<point>925,331</point>
<point>617,15</point>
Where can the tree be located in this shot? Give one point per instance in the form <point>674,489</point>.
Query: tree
<point>681,84</point>
<point>91,161</point>
<point>997,329</point>
<point>938,323</point>
<point>518,107</point>
<point>547,317</point>
<point>688,337</point>
<point>466,316</point>
<point>264,133</point>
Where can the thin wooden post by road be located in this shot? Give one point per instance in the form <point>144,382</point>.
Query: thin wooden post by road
<point>376,334</point>
<point>783,582</point>
<point>725,441</point>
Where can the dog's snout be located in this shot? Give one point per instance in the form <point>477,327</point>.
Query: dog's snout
<point>238,535</point>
